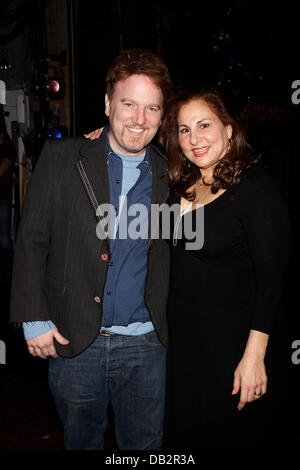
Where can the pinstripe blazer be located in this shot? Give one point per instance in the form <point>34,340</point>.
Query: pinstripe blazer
<point>60,264</point>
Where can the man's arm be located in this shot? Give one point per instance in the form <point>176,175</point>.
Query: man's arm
<point>28,301</point>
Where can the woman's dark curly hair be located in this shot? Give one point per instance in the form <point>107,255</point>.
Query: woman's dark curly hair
<point>183,174</point>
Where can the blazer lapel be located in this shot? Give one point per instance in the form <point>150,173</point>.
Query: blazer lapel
<point>94,161</point>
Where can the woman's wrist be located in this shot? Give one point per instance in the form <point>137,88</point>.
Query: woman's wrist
<point>256,345</point>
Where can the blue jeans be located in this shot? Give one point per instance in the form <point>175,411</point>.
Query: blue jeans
<point>129,372</point>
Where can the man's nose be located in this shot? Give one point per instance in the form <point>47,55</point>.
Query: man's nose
<point>139,116</point>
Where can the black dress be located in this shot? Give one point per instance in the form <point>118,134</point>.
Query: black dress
<point>217,294</point>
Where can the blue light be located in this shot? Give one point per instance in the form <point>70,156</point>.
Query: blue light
<point>54,134</point>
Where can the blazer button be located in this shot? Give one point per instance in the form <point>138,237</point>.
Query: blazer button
<point>104,256</point>
<point>97,299</point>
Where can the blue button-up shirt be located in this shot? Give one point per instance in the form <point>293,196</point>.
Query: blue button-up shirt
<point>124,291</point>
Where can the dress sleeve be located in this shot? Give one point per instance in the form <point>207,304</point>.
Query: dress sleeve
<point>266,222</point>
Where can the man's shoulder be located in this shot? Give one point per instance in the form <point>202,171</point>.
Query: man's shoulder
<point>66,148</point>
<point>159,155</point>
<point>65,142</point>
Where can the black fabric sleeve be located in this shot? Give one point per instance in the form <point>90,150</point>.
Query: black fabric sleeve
<point>32,246</point>
<point>267,226</point>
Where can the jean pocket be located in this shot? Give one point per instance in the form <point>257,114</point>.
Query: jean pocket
<point>151,339</point>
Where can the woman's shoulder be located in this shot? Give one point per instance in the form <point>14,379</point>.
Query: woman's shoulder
<point>258,186</point>
<point>256,177</point>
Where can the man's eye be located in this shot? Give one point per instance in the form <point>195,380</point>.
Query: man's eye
<point>152,108</point>
<point>128,105</point>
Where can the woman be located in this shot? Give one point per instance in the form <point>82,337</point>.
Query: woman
<point>224,298</point>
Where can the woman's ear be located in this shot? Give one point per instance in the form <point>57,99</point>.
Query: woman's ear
<point>229,131</point>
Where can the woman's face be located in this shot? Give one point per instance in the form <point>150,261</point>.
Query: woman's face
<point>203,138</point>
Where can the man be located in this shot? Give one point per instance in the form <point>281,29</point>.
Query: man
<point>96,306</point>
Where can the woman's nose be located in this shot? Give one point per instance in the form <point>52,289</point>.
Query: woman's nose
<point>195,137</point>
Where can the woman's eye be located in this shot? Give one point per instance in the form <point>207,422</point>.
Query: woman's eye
<point>204,126</point>
<point>183,131</point>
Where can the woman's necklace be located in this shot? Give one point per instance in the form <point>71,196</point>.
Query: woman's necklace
<point>177,223</point>
<point>202,196</point>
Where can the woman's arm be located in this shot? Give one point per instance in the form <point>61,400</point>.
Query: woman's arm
<point>265,220</point>
<point>94,134</point>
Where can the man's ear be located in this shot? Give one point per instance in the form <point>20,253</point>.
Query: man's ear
<point>107,104</point>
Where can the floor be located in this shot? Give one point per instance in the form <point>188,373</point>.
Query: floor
<point>28,419</point>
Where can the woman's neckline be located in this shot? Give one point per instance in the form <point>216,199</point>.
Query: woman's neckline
<point>202,205</point>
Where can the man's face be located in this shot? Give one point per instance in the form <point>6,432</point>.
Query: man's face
<point>135,113</point>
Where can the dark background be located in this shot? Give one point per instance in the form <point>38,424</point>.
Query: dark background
<point>245,46</point>
<point>248,48</point>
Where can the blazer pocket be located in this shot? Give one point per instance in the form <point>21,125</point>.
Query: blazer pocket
<point>55,286</point>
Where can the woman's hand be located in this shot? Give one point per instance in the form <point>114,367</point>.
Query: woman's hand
<point>250,376</point>
<point>94,134</point>
<point>250,379</point>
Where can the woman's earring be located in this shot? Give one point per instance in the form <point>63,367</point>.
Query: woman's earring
<point>229,144</point>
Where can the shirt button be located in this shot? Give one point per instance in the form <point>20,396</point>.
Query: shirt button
<point>118,181</point>
<point>109,292</point>
<point>97,299</point>
<point>104,256</point>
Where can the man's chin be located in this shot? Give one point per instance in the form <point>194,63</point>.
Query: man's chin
<point>136,149</point>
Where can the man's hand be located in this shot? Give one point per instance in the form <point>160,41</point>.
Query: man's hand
<point>42,346</point>
<point>94,134</point>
